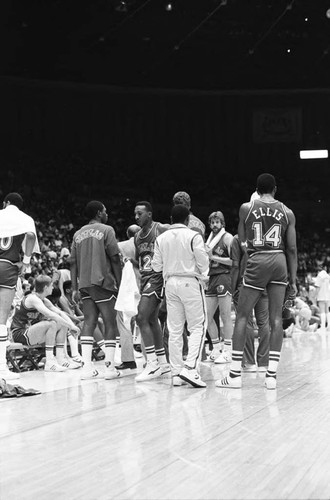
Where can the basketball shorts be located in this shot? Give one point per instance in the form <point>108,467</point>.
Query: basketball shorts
<point>265,268</point>
<point>8,275</point>
<point>21,335</point>
<point>97,294</point>
<point>153,284</point>
<point>219,285</point>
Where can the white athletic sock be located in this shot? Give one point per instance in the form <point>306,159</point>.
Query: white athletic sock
<point>151,354</point>
<point>216,344</point>
<point>73,341</point>
<point>328,320</point>
<point>60,353</point>
<point>323,317</point>
<point>274,358</point>
<point>101,345</point>
<point>236,364</point>
<point>227,345</point>
<point>49,353</point>
<point>86,349</point>
<point>3,347</point>
<point>110,348</point>
<point>161,356</point>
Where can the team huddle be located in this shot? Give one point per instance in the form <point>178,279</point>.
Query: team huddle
<point>178,273</point>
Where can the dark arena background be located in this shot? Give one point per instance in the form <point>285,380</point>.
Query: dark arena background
<point>127,100</point>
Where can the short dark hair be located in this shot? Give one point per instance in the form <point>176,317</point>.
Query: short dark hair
<point>179,213</point>
<point>92,208</point>
<point>14,199</point>
<point>266,183</point>
<point>41,282</point>
<point>145,204</point>
<point>67,284</point>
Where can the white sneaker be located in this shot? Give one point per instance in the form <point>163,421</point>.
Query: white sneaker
<point>177,381</point>
<point>225,357</point>
<point>111,372</point>
<point>53,366</point>
<point>270,383</point>
<point>70,364</point>
<point>9,375</point>
<point>229,382</point>
<point>166,371</point>
<point>77,359</point>
<point>192,377</point>
<point>151,370</point>
<point>89,371</point>
<point>214,354</point>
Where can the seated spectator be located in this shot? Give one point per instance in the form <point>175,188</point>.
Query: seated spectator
<point>303,316</point>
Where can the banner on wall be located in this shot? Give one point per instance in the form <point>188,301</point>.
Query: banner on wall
<point>277,125</point>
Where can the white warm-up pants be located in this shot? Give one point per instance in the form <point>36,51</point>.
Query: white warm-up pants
<point>185,301</point>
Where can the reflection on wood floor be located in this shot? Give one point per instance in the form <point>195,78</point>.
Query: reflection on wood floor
<point>120,439</point>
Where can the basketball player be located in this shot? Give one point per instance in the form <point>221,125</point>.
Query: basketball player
<point>181,256</point>
<point>17,231</point>
<point>218,293</point>
<point>267,227</point>
<point>95,263</point>
<point>183,198</point>
<point>36,321</point>
<point>151,289</point>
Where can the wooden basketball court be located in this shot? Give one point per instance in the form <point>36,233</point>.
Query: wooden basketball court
<point>123,440</point>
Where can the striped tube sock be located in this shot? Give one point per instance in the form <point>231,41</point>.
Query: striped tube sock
<point>216,344</point>
<point>60,353</point>
<point>3,347</point>
<point>49,349</point>
<point>160,353</point>
<point>86,348</point>
<point>101,345</point>
<point>110,348</point>
<point>118,341</point>
<point>151,354</point>
<point>236,364</point>
<point>227,345</point>
<point>274,358</point>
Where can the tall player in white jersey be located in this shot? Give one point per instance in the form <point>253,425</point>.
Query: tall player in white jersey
<point>267,231</point>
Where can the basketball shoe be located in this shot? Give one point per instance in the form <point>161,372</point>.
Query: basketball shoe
<point>151,370</point>
<point>225,357</point>
<point>192,377</point>
<point>52,365</point>
<point>111,372</point>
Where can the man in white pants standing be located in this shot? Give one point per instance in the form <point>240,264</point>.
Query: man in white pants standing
<point>180,255</point>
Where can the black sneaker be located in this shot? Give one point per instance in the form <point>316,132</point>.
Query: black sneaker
<point>125,365</point>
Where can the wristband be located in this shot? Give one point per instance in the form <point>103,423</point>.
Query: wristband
<point>26,260</point>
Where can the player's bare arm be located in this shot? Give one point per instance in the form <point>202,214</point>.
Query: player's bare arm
<point>291,248</point>
<point>33,301</point>
<point>243,212</point>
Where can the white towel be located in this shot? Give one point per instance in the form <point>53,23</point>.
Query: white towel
<point>128,294</point>
<point>13,222</point>
<point>212,240</point>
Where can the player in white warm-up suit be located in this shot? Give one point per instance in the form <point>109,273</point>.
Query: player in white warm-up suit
<point>180,255</point>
